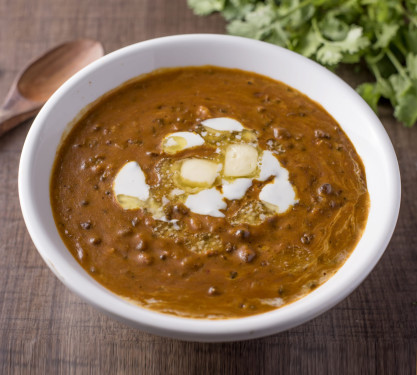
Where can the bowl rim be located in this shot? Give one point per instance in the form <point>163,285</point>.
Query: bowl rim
<point>190,328</point>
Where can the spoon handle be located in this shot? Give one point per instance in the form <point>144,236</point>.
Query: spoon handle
<point>10,119</point>
<point>16,109</point>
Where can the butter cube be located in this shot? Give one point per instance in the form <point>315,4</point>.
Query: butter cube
<point>199,172</point>
<point>240,160</point>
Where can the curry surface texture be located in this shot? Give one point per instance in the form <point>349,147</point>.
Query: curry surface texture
<point>246,266</point>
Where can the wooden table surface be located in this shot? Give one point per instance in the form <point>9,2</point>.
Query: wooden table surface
<point>46,329</point>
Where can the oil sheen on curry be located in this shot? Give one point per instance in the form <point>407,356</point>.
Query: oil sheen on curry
<point>208,192</point>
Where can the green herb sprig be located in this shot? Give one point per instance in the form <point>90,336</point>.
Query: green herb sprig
<point>382,33</point>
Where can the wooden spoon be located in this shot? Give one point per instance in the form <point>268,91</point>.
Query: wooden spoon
<point>40,79</point>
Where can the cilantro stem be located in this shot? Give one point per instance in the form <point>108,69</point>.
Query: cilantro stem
<point>401,47</point>
<point>407,13</point>
<point>374,59</point>
<point>317,31</point>
<point>375,71</point>
<point>397,64</point>
<point>412,19</point>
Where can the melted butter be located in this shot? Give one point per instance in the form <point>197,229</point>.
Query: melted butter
<point>199,175</point>
<point>176,142</point>
<point>129,202</point>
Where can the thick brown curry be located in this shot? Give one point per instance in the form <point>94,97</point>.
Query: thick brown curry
<point>249,261</point>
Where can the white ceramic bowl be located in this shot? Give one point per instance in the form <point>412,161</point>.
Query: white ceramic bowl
<point>355,117</point>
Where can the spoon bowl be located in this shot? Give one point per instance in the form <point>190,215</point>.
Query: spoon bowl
<point>41,78</point>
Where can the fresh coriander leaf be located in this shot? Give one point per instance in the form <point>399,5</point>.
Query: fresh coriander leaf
<point>319,3</point>
<point>329,54</point>
<point>384,11</point>
<point>296,16</point>
<point>406,108</point>
<point>276,35</point>
<point>238,9</point>
<point>411,64</point>
<point>204,7</point>
<point>385,35</point>
<point>371,94</point>
<point>381,32</point>
<point>400,85</point>
<point>333,28</point>
<point>256,23</point>
<point>385,88</point>
<point>309,44</point>
<point>411,6</point>
<point>242,28</point>
<point>347,10</point>
<point>354,40</point>
<point>285,7</point>
<point>410,35</point>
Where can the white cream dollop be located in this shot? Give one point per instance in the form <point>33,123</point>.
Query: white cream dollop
<point>236,189</point>
<point>270,166</point>
<point>130,181</point>
<point>206,202</point>
<point>225,124</point>
<point>279,193</point>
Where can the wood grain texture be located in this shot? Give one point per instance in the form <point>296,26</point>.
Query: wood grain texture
<point>46,329</point>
